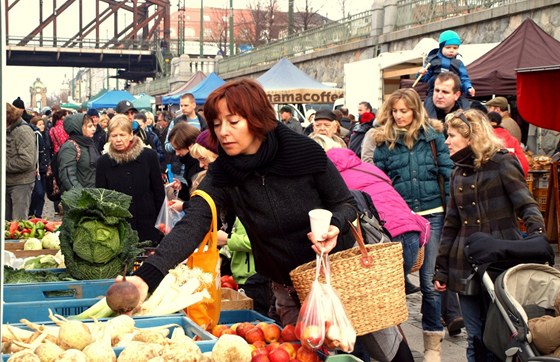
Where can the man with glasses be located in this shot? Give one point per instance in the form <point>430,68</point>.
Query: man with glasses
<point>447,90</point>
<point>126,108</point>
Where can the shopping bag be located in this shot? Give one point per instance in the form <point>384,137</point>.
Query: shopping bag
<point>339,333</point>
<point>310,325</point>
<point>167,217</point>
<point>207,258</point>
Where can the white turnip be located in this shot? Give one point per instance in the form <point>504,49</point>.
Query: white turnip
<point>72,355</point>
<point>140,352</point>
<point>48,351</point>
<point>24,356</point>
<point>231,348</point>
<point>72,334</point>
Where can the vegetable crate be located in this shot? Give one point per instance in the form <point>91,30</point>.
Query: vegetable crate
<point>238,316</point>
<point>16,247</point>
<point>233,300</point>
<point>79,289</point>
<point>38,311</point>
<point>203,339</point>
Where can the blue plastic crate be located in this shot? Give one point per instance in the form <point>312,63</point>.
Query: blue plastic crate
<point>237,316</point>
<point>56,290</point>
<point>38,311</point>
<point>204,340</point>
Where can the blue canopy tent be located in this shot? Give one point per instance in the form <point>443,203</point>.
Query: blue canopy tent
<point>110,99</point>
<point>144,102</point>
<point>200,91</point>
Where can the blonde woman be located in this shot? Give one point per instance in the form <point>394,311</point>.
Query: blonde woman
<point>132,168</point>
<point>488,192</point>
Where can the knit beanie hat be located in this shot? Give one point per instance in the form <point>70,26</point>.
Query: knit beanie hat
<point>204,140</point>
<point>18,103</point>
<point>449,37</point>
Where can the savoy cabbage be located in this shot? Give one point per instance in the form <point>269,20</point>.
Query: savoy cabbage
<point>96,239</point>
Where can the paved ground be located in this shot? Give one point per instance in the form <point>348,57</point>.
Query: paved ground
<point>453,349</point>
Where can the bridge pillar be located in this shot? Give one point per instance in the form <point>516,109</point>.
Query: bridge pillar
<point>377,18</point>
<point>390,16</point>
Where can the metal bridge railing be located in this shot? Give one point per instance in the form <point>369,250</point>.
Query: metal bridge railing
<point>350,28</point>
<point>84,43</point>
<point>412,13</point>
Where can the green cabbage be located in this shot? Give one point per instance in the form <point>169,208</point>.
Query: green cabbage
<point>33,244</point>
<point>51,241</point>
<point>95,237</point>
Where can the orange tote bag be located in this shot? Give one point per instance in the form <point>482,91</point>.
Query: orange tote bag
<point>207,257</point>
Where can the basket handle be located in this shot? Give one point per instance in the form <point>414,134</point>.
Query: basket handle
<point>366,260</point>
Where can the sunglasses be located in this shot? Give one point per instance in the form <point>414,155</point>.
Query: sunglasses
<point>460,115</point>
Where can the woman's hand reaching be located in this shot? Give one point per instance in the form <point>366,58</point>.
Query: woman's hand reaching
<point>328,244</point>
<point>139,284</point>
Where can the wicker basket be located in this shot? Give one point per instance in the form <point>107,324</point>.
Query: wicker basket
<point>419,260</point>
<point>370,282</point>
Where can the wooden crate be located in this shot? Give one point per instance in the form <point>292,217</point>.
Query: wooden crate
<point>233,300</point>
<point>16,247</point>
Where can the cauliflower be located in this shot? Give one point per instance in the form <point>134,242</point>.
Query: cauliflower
<point>33,244</point>
<point>231,348</point>
<point>51,241</point>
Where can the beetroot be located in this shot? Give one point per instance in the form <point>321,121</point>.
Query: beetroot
<point>123,297</point>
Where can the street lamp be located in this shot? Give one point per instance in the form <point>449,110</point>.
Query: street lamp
<point>201,50</point>
<point>181,30</point>
<point>231,28</point>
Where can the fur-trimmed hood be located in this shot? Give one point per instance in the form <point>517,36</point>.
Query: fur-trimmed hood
<point>434,124</point>
<point>128,155</point>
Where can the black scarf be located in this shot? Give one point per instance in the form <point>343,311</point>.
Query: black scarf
<point>90,145</point>
<point>464,158</point>
<point>283,152</point>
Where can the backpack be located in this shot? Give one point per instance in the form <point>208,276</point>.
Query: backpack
<point>52,178</point>
<point>368,217</point>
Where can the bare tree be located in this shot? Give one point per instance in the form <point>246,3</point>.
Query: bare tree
<point>261,28</point>
<point>344,5</point>
<point>308,17</point>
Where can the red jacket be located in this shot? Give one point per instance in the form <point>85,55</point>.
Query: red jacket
<point>513,146</point>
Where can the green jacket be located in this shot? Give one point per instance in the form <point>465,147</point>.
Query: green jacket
<point>21,154</point>
<point>239,247</point>
<point>75,173</point>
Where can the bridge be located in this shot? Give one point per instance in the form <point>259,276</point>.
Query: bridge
<point>76,29</point>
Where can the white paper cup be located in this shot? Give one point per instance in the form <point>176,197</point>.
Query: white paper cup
<point>320,220</point>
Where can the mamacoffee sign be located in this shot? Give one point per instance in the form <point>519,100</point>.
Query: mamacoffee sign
<point>305,96</point>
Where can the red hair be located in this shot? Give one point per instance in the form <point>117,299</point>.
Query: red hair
<point>246,98</point>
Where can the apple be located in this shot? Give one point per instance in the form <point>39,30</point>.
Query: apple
<point>254,334</point>
<point>242,328</point>
<point>298,329</point>
<point>261,325</point>
<point>305,354</point>
<point>312,336</point>
<point>278,355</point>
<point>258,351</point>
<point>272,346</point>
<point>260,358</point>
<point>259,344</point>
<point>289,333</point>
<point>288,347</point>
<point>271,333</point>
<point>218,329</point>
<point>234,327</point>
<point>227,331</point>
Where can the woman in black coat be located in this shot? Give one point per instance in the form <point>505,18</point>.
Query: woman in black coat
<point>133,169</point>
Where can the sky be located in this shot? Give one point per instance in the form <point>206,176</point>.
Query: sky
<point>17,80</point>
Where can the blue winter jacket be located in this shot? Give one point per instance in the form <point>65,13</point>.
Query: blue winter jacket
<point>413,172</point>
